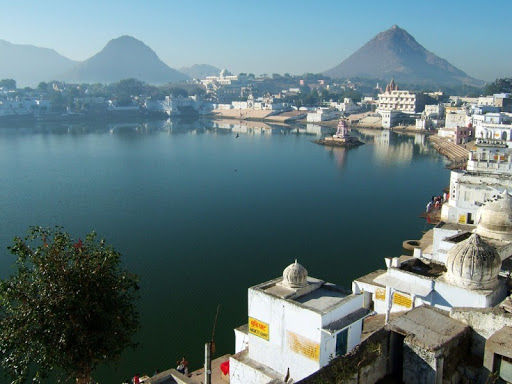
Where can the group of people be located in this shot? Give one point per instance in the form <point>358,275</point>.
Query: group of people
<point>437,201</point>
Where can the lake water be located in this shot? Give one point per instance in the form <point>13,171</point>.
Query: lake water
<point>201,215</point>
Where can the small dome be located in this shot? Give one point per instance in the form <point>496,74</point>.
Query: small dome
<point>295,276</point>
<point>494,218</point>
<point>473,264</point>
<point>225,73</point>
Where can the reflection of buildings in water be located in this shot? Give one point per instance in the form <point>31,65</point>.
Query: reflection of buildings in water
<point>396,147</point>
<point>315,129</point>
<point>127,128</point>
<point>391,147</point>
<point>383,139</point>
<point>420,140</point>
<point>399,153</point>
<point>245,127</point>
<point>422,144</point>
<point>389,150</point>
<point>181,126</point>
<point>339,154</point>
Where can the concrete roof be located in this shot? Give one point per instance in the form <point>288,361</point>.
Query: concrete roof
<point>323,298</point>
<point>427,327</point>
<point>370,277</point>
<point>317,296</point>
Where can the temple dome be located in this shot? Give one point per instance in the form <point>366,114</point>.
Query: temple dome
<point>225,73</point>
<point>473,264</point>
<point>295,276</point>
<point>494,218</point>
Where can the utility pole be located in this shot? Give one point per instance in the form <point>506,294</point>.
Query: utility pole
<point>207,363</point>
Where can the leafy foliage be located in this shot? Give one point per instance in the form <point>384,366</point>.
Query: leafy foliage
<point>69,307</point>
<point>499,86</point>
<point>8,83</point>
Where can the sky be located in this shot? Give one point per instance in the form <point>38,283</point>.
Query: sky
<point>267,36</point>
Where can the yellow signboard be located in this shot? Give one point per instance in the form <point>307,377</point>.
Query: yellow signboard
<point>380,294</point>
<point>302,345</point>
<point>462,219</point>
<point>258,328</point>
<point>402,300</point>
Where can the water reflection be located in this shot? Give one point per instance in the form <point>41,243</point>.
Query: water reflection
<point>171,203</point>
<point>339,154</point>
<point>394,147</point>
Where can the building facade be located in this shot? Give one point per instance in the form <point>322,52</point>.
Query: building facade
<point>296,325</point>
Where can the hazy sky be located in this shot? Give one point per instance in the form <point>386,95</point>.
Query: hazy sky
<point>267,36</point>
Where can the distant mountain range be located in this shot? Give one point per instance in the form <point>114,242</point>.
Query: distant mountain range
<point>396,54</point>
<point>200,71</point>
<point>392,53</point>
<point>122,58</point>
<point>29,65</point>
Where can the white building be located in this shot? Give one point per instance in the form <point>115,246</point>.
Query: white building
<point>494,131</point>
<point>488,173</point>
<point>388,118</point>
<point>225,78</point>
<point>485,100</point>
<point>468,278</point>
<point>267,103</point>
<point>348,106</point>
<point>296,325</point>
<point>322,114</point>
<point>400,100</point>
<point>23,107</point>
<point>460,118</point>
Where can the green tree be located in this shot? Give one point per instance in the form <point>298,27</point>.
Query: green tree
<point>43,86</point>
<point>499,86</point>
<point>8,83</point>
<point>57,101</point>
<point>68,308</point>
<point>128,87</point>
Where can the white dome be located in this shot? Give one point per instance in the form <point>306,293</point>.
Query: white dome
<point>295,276</point>
<point>473,264</point>
<point>225,73</point>
<point>494,218</point>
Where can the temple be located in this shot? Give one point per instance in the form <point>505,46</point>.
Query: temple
<point>342,137</point>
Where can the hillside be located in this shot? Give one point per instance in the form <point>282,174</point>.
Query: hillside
<point>395,53</point>
<point>200,71</point>
<point>122,58</point>
<point>29,65</point>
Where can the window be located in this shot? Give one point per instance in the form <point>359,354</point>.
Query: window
<point>341,342</point>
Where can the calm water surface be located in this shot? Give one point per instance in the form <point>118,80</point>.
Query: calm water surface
<point>202,215</point>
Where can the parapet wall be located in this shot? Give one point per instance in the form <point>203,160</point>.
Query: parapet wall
<point>367,363</point>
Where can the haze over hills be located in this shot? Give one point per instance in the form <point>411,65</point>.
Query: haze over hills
<point>395,53</point>
<point>123,58</point>
<point>200,71</point>
<point>29,65</point>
